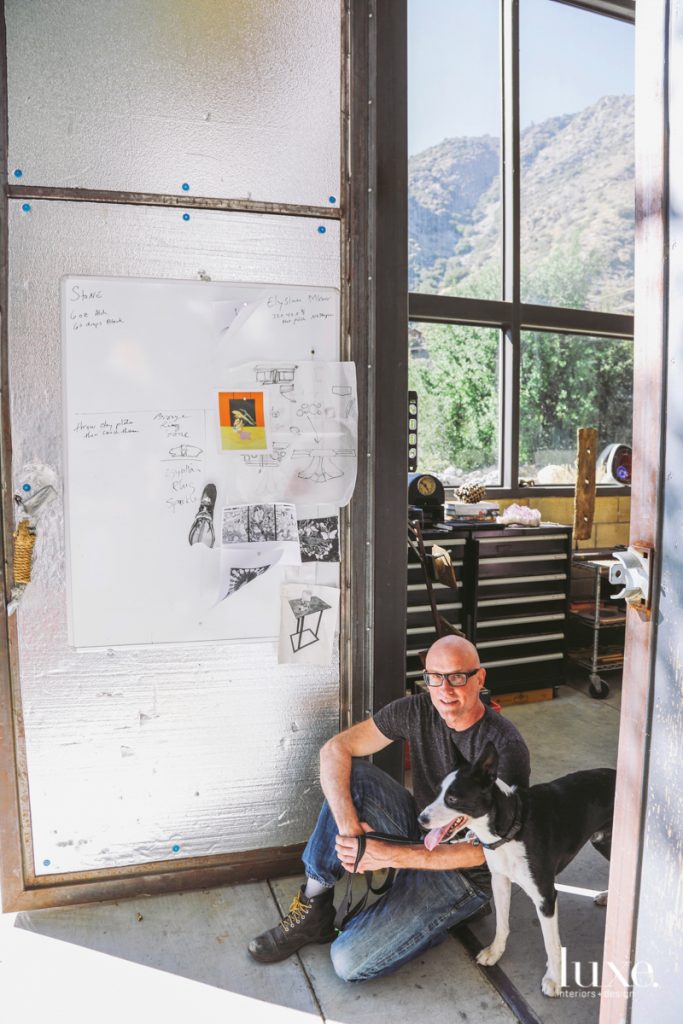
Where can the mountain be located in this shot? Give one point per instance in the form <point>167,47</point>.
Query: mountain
<point>577,203</point>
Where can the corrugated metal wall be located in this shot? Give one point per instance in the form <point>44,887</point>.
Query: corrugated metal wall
<point>160,753</point>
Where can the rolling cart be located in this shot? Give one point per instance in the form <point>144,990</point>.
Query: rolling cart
<point>606,618</point>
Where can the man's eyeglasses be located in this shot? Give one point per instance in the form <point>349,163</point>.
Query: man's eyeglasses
<point>452,678</point>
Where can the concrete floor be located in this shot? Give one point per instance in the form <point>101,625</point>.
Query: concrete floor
<point>182,957</point>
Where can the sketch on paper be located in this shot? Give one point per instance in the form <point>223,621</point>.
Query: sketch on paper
<point>319,539</point>
<point>272,458</point>
<point>344,391</point>
<point>257,524</point>
<point>312,403</point>
<point>278,374</point>
<point>185,451</point>
<point>275,374</point>
<point>321,466</point>
<point>307,624</point>
<point>242,420</point>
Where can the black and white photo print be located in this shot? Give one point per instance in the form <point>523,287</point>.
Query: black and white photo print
<point>240,577</point>
<point>259,524</point>
<point>319,539</point>
<point>308,620</point>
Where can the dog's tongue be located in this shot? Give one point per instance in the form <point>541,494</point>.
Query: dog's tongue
<point>438,835</point>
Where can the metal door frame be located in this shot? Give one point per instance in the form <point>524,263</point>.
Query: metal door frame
<point>649,418</point>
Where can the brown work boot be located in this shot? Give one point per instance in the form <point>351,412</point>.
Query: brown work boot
<point>310,919</point>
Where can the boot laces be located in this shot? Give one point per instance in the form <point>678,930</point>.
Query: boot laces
<point>297,912</point>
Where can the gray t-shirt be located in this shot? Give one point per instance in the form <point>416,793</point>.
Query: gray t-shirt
<point>436,750</point>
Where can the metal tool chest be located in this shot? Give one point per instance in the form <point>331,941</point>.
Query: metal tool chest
<point>511,601</point>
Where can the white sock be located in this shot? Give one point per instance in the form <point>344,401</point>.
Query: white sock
<point>314,888</point>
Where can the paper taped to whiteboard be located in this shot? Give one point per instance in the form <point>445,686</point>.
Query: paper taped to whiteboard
<point>241,565</point>
<point>311,454</point>
<point>307,625</point>
<point>271,527</point>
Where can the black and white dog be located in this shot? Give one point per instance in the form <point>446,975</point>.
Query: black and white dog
<point>528,837</point>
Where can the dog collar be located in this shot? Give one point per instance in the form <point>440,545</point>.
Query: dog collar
<point>512,832</point>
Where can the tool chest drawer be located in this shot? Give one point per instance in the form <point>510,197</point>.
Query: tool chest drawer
<point>511,599</point>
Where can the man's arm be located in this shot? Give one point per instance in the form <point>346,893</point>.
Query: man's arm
<point>335,770</point>
<point>380,855</point>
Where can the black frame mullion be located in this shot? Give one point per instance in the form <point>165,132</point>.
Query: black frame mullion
<point>491,313</point>
<point>510,151</point>
<point>389,461</point>
<point>509,422</point>
<point>511,219</point>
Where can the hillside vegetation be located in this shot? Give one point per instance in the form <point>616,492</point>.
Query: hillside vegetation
<point>577,251</point>
<point>576,194</point>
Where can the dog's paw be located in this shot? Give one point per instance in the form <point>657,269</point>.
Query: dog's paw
<point>490,955</point>
<point>550,987</point>
<point>601,899</point>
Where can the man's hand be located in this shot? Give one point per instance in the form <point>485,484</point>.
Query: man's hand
<point>377,854</point>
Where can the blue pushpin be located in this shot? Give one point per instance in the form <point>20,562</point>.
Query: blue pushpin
<point>185,187</point>
<point>26,207</point>
<point>175,847</point>
<point>322,229</point>
<point>333,199</point>
<point>186,216</point>
<point>18,173</point>
<point>46,863</point>
<point>26,487</point>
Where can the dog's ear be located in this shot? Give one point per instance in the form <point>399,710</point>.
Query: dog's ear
<point>487,762</point>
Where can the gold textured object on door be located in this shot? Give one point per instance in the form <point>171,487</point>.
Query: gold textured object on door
<point>584,500</point>
<point>24,539</point>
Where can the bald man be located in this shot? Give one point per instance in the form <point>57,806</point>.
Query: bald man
<point>435,888</point>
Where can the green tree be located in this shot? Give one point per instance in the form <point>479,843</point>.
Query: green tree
<point>566,381</point>
<point>569,382</point>
<point>458,396</point>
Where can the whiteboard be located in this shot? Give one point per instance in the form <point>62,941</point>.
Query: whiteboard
<point>143,361</point>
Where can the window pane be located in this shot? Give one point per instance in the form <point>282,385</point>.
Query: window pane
<point>577,175</point>
<point>569,382</point>
<point>456,372</point>
<point>454,145</point>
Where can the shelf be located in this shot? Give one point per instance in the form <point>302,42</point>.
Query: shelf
<point>584,611</point>
<point>604,662</point>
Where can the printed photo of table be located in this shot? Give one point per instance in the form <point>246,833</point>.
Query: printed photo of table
<point>301,607</point>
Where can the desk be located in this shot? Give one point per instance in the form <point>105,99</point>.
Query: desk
<point>302,607</point>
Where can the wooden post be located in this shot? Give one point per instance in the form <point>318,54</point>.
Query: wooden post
<point>584,499</point>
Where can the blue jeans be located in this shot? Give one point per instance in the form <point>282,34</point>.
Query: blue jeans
<point>419,908</point>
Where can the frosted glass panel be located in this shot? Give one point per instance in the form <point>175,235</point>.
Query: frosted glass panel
<point>150,753</point>
<point>234,98</point>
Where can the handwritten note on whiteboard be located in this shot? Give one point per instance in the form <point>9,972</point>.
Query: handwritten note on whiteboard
<point>143,360</point>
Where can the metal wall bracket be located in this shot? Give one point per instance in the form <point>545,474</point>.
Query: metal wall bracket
<point>633,570</point>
